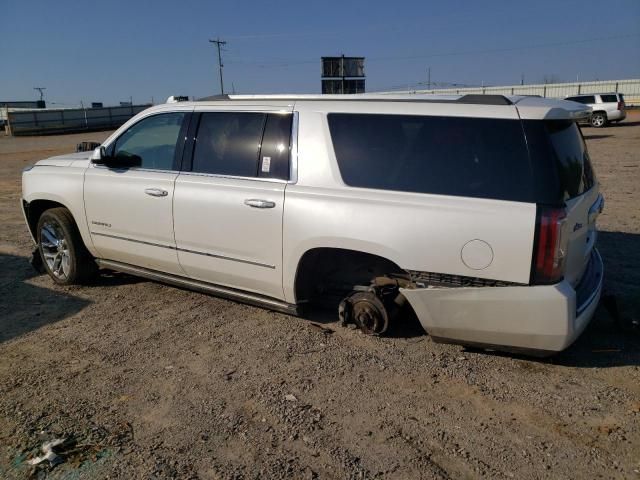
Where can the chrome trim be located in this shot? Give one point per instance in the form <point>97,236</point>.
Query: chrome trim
<point>156,192</point>
<point>186,250</point>
<point>226,292</point>
<point>233,177</point>
<point>257,203</point>
<point>596,291</point>
<point>293,155</point>
<point>137,169</point>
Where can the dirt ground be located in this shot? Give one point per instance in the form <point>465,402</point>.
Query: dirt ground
<point>149,381</point>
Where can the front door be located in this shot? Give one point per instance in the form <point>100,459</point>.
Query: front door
<point>129,202</point>
<point>228,204</point>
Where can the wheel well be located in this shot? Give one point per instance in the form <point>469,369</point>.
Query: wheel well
<point>600,111</point>
<point>328,274</point>
<point>34,209</point>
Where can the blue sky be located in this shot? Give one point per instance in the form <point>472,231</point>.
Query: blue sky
<point>111,50</point>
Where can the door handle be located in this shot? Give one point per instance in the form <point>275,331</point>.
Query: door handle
<point>257,203</point>
<point>156,192</point>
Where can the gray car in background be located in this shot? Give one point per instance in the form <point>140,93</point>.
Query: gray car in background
<point>607,107</point>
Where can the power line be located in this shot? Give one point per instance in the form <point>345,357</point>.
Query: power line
<point>219,43</point>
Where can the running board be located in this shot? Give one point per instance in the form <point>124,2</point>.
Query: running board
<point>190,284</point>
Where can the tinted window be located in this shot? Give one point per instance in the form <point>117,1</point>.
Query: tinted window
<point>585,100</point>
<point>151,142</point>
<point>621,97</point>
<point>276,146</point>
<point>471,157</point>
<point>560,160</point>
<point>228,143</point>
<point>609,98</point>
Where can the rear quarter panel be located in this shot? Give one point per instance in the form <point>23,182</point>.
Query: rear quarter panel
<point>415,231</point>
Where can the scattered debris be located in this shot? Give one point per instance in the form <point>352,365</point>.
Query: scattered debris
<point>49,454</point>
<point>290,398</point>
<point>325,330</point>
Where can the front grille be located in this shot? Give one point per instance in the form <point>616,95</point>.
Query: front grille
<point>432,279</point>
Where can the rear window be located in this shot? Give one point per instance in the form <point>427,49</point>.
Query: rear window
<point>560,160</point>
<point>609,98</point>
<point>470,157</point>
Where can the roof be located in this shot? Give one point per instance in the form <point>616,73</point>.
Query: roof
<point>473,105</point>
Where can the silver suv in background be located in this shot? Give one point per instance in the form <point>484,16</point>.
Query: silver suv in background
<point>607,107</point>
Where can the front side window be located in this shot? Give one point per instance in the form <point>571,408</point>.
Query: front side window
<point>151,143</point>
<point>228,143</point>
<point>470,157</point>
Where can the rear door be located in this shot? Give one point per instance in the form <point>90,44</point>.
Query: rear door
<point>229,201</point>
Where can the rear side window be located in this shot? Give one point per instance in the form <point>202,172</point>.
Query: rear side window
<point>560,160</point>
<point>276,146</point>
<point>228,143</point>
<point>609,98</point>
<point>584,100</point>
<point>470,157</point>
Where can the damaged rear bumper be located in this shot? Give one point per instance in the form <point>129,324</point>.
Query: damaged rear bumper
<point>541,318</point>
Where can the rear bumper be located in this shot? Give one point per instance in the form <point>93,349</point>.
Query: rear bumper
<point>544,318</point>
<point>617,116</point>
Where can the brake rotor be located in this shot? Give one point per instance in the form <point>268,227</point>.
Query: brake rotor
<point>368,312</point>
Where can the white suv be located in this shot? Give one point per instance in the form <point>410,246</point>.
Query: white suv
<point>606,107</point>
<point>478,212</point>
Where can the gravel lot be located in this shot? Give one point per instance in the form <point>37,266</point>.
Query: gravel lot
<point>149,381</point>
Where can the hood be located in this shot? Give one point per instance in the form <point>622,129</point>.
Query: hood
<point>64,160</point>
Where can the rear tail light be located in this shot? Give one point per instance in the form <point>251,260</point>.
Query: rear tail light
<point>620,105</point>
<point>548,262</point>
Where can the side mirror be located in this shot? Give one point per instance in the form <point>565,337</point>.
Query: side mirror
<point>99,156</point>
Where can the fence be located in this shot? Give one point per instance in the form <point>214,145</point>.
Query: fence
<point>35,122</point>
<point>630,88</point>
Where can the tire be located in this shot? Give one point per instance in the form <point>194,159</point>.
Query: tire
<point>599,120</point>
<point>64,256</point>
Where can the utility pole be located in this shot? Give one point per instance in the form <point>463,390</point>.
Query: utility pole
<point>429,78</point>
<point>41,90</point>
<point>522,79</point>
<point>219,43</point>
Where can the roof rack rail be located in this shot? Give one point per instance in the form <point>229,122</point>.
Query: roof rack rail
<point>214,97</point>
<point>481,99</point>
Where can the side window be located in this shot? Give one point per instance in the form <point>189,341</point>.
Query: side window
<point>276,147</point>
<point>609,98</point>
<point>588,100</point>
<point>469,157</point>
<point>228,143</point>
<point>151,142</point>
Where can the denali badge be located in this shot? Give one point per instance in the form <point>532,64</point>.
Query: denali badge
<point>102,224</point>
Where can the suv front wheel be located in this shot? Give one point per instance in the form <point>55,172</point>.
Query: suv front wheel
<point>599,119</point>
<point>63,253</point>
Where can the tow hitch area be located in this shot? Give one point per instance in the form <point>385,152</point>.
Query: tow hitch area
<point>371,308</point>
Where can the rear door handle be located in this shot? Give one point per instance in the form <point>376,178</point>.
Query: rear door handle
<point>156,192</point>
<point>257,203</point>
